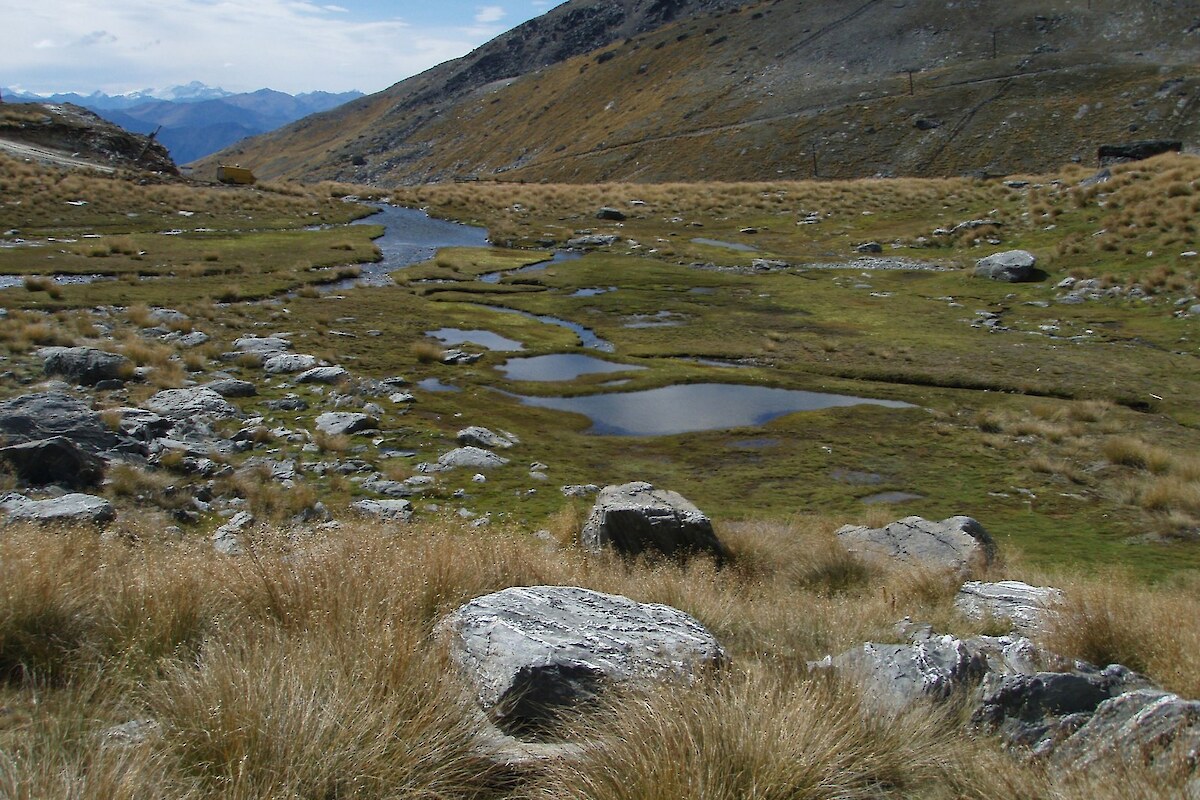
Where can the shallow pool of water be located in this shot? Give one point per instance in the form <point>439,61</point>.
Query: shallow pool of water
<point>745,248</point>
<point>62,279</point>
<point>558,367</point>
<point>410,237</point>
<point>592,291</point>
<point>587,336</point>
<point>694,407</point>
<point>492,341</point>
<point>540,266</point>
<point>435,385</point>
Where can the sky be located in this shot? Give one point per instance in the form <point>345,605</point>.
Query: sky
<point>119,46</point>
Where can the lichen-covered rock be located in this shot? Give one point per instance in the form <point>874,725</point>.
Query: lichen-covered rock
<point>70,509</point>
<point>527,651</point>
<point>635,518</point>
<point>263,345</point>
<point>232,387</point>
<point>957,543</point>
<point>326,375</point>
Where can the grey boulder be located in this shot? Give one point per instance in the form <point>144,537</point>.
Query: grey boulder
<point>232,387</point>
<point>54,460</point>
<point>472,457</point>
<point>70,509</point>
<point>392,510</point>
<point>636,518</point>
<point>288,362</point>
<point>262,345</point>
<point>86,366</point>
<point>227,539</point>
<point>1012,266</point>
<point>326,375</point>
<point>482,437</point>
<point>338,423</point>
<point>1144,726</point>
<point>957,543</point>
<point>528,652</point>
<point>1026,607</point>
<point>191,403</point>
<point>43,415</point>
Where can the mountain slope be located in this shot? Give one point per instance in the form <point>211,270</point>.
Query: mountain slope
<point>790,87</point>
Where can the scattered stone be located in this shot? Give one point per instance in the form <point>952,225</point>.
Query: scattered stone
<point>226,539</point>
<point>232,387</point>
<point>1025,606</point>
<point>958,543</point>
<point>634,518</point>
<point>285,363</point>
<point>85,366</point>
<point>580,490</point>
<point>473,457</point>
<point>55,460</point>
<point>70,509</point>
<point>898,675</point>
<point>1109,154</point>
<point>392,510</point>
<point>323,375</point>
<point>190,403</point>
<point>869,247</point>
<point>482,437</point>
<point>402,397</point>
<point>344,422</point>
<point>529,651</point>
<point>1011,266</point>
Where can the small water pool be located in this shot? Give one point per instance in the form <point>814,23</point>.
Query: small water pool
<point>745,248</point>
<point>694,407</point>
<point>558,367</point>
<point>435,385</point>
<point>492,341</point>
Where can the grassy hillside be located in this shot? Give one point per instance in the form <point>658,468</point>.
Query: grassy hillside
<point>785,89</point>
<point>308,666</point>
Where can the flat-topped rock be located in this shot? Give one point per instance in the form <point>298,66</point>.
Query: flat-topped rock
<point>392,510</point>
<point>1026,606</point>
<point>957,543</point>
<point>262,345</point>
<point>194,401</point>
<point>285,363</point>
<point>325,375</point>
<point>338,423</point>
<point>232,387</point>
<point>527,651</point>
<point>70,509</point>
<point>635,518</point>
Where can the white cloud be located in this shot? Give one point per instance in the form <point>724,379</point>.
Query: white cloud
<point>242,45</point>
<point>487,15</point>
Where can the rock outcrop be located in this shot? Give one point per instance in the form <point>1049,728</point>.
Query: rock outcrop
<point>1012,266</point>
<point>86,366</point>
<point>44,415</point>
<point>55,460</point>
<point>1027,607</point>
<point>70,509</point>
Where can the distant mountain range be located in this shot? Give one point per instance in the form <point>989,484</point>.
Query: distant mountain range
<point>196,119</point>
